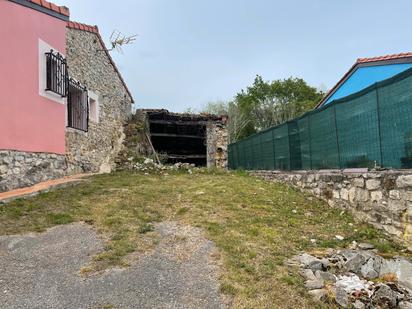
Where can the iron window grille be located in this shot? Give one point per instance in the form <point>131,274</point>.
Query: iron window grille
<point>57,76</point>
<point>77,106</point>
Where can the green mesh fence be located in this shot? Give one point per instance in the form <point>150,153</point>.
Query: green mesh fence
<point>304,134</point>
<point>359,112</point>
<point>281,141</point>
<point>324,144</point>
<point>395,110</point>
<point>372,127</point>
<point>267,154</point>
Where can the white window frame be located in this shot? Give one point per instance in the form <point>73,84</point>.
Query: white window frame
<point>43,49</point>
<point>95,97</point>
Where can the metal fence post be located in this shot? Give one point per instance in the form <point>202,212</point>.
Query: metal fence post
<point>379,122</point>
<point>310,142</point>
<point>290,152</point>
<point>273,146</point>
<point>337,137</point>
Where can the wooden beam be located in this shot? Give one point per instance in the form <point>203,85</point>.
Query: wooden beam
<point>180,122</point>
<point>191,156</point>
<point>176,135</point>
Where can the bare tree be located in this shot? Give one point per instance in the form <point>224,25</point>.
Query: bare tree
<point>237,120</point>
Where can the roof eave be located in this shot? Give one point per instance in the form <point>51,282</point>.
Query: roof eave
<point>42,9</point>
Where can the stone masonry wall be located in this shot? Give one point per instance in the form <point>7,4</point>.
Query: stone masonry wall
<point>96,149</point>
<point>217,142</point>
<point>21,169</point>
<point>383,198</point>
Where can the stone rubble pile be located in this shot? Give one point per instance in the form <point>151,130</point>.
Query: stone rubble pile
<point>358,278</point>
<point>148,165</point>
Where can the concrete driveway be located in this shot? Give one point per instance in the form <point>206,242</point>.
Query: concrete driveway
<point>42,271</point>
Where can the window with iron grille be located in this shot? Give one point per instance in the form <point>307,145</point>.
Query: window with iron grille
<point>57,76</point>
<point>77,106</point>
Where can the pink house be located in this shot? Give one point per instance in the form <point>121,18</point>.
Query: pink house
<point>51,113</point>
<point>30,118</point>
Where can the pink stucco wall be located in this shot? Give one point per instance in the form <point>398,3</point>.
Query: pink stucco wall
<point>28,121</point>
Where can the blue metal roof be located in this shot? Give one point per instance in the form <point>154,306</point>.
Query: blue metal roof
<point>365,76</point>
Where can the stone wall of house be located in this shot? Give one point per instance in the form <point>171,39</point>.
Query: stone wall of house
<point>382,198</point>
<point>216,144</point>
<point>88,63</point>
<point>21,169</point>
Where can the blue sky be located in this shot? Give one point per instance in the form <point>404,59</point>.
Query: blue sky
<point>190,52</point>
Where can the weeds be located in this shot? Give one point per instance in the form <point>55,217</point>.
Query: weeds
<point>256,225</point>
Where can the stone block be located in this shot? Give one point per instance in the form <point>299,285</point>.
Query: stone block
<point>396,206</point>
<point>394,194</point>
<point>310,178</point>
<point>358,182</point>
<point>406,195</point>
<point>336,194</point>
<point>409,212</point>
<point>404,181</point>
<point>344,194</point>
<point>361,195</point>
<point>3,169</point>
<point>373,184</point>
<point>376,196</point>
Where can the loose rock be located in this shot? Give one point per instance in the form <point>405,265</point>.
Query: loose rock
<point>325,276</point>
<point>341,296</point>
<point>314,284</point>
<point>308,274</point>
<point>358,305</point>
<point>384,297</point>
<point>318,294</point>
<point>365,246</point>
<point>368,271</point>
<point>349,272</point>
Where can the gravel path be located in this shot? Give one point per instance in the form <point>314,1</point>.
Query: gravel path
<point>42,271</point>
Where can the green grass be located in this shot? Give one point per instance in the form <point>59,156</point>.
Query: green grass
<point>251,221</point>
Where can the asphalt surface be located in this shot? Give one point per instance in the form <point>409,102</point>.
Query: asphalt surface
<point>42,271</point>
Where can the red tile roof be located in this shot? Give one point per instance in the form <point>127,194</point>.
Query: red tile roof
<point>95,30</point>
<point>51,6</point>
<point>384,58</point>
<point>84,27</point>
<point>360,61</point>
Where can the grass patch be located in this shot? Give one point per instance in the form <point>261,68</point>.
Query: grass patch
<point>255,224</point>
<point>145,228</point>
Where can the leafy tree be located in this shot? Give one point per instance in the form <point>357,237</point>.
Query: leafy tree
<point>271,103</point>
<point>265,104</point>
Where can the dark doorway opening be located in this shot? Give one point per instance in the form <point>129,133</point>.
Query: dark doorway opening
<point>182,137</point>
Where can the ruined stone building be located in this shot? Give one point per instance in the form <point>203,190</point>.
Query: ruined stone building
<point>193,138</point>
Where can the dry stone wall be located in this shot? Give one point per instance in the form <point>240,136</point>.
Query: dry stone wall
<point>382,198</point>
<point>96,149</point>
<point>21,169</point>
